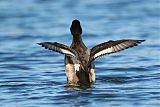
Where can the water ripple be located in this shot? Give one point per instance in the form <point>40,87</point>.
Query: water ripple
<point>31,76</point>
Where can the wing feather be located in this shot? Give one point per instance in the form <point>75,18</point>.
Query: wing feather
<point>112,47</point>
<point>57,47</point>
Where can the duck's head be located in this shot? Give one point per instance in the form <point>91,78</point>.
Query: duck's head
<point>76,27</point>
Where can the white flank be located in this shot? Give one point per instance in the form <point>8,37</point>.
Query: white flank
<point>70,76</point>
<point>76,66</point>
<point>69,72</point>
<point>92,75</point>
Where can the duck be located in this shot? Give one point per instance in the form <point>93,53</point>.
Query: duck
<point>79,60</point>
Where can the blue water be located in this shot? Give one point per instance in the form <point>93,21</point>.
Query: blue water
<point>31,76</point>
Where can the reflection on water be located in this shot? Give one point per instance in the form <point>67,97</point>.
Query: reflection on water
<point>78,87</point>
<point>31,76</point>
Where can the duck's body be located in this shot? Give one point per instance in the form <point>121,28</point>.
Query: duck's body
<point>76,70</point>
<point>79,60</point>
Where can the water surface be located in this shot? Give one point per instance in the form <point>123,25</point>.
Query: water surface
<point>33,77</point>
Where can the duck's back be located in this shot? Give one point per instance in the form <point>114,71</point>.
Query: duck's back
<point>81,74</point>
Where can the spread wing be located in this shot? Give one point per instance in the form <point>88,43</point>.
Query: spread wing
<point>112,47</point>
<point>57,47</point>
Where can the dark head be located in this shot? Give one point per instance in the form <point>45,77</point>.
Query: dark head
<point>76,27</point>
